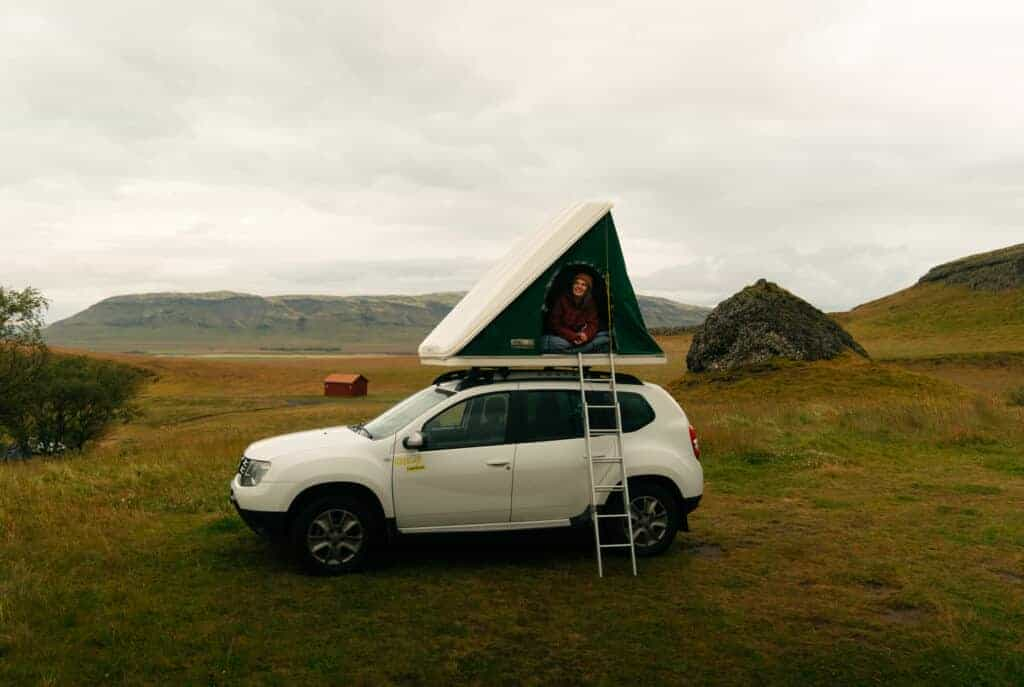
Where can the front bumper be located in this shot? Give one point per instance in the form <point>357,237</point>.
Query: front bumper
<point>270,524</point>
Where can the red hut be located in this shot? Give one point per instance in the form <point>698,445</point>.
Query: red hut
<point>345,385</point>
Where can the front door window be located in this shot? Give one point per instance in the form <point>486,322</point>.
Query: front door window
<point>479,421</point>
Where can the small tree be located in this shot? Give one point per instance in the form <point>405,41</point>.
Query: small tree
<point>23,355</point>
<point>74,399</point>
<point>51,402</point>
<point>21,316</point>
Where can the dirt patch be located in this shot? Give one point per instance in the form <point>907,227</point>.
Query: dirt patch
<point>818,622</point>
<point>705,550</point>
<point>878,587</point>
<point>904,615</point>
<point>1010,576</point>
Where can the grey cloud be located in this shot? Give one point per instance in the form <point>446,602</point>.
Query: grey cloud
<point>383,276</point>
<point>841,147</point>
<point>831,278</point>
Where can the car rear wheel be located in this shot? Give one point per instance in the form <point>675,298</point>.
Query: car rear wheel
<point>654,514</point>
<point>335,534</point>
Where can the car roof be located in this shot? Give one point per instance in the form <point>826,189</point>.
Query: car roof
<point>477,376</point>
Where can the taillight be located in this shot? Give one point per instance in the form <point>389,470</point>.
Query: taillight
<point>694,442</point>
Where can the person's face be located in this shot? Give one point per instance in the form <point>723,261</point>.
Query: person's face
<point>579,288</point>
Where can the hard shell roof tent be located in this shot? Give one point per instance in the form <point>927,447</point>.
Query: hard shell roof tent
<point>500,322</point>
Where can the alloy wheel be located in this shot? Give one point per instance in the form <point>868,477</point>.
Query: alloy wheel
<point>335,537</point>
<point>650,521</point>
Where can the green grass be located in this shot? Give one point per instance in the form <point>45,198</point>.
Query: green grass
<point>1016,396</point>
<point>937,319</point>
<point>861,524</point>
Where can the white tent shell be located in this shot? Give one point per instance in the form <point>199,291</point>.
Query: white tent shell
<point>503,283</point>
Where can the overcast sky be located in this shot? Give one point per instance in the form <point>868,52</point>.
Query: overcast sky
<point>839,148</point>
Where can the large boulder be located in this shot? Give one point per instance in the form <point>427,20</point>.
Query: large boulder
<point>994,271</point>
<point>765,321</point>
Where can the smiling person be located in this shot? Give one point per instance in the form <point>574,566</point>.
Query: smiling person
<point>573,325</point>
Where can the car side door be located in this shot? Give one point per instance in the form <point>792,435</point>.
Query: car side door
<point>551,480</point>
<point>462,475</point>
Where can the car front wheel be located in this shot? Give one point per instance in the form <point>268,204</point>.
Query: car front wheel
<point>334,535</point>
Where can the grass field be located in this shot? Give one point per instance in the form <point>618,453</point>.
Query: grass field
<point>937,319</point>
<point>863,522</point>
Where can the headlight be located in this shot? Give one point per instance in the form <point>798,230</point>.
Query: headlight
<point>250,472</point>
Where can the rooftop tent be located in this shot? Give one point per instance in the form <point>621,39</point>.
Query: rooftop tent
<point>500,322</point>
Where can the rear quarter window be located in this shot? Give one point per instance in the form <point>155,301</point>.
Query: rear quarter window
<point>637,413</point>
<point>554,414</point>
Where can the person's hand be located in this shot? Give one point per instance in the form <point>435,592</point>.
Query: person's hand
<point>578,341</point>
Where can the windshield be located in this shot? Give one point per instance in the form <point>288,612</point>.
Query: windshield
<point>403,413</point>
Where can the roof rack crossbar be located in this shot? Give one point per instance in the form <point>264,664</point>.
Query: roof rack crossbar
<point>476,376</point>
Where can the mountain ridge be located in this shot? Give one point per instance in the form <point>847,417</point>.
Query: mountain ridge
<point>236,321</point>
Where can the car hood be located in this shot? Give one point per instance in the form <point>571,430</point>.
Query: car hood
<point>335,439</point>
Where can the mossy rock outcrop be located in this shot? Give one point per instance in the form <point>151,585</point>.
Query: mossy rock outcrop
<point>997,270</point>
<point>762,322</point>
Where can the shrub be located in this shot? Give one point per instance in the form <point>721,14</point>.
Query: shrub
<point>70,401</point>
<point>1017,396</point>
<point>22,353</point>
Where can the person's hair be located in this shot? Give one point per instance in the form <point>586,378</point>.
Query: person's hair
<point>583,276</point>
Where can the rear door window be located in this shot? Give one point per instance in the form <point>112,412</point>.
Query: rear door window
<point>551,415</point>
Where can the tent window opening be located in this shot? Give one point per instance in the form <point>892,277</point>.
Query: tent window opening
<point>575,313</point>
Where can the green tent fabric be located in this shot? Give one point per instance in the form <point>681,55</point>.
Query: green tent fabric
<point>517,331</point>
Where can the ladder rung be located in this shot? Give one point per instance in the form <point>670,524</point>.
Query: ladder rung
<point>610,382</point>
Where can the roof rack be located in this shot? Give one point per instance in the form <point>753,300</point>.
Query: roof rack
<point>479,376</point>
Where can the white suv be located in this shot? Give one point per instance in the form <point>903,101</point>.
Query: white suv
<point>479,450</point>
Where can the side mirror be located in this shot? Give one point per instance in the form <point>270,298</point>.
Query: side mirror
<point>416,440</point>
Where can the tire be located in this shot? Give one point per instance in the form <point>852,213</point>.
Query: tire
<point>336,534</point>
<point>655,518</point>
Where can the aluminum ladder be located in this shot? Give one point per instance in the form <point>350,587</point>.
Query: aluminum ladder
<point>617,459</point>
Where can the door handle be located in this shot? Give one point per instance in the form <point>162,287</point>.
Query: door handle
<point>498,462</point>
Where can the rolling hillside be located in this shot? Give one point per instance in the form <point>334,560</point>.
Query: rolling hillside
<point>225,321</point>
<point>971,305</point>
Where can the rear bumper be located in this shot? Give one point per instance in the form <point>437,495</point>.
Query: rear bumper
<point>264,523</point>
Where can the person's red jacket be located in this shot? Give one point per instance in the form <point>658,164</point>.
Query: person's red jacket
<point>569,320</point>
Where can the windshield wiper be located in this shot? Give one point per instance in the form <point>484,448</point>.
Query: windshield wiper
<point>361,428</point>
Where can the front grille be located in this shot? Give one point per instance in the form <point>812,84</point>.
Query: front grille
<point>243,465</point>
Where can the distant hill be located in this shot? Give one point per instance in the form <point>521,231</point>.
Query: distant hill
<point>971,305</point>
<point>997,270</point>
<point>224,321</point>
